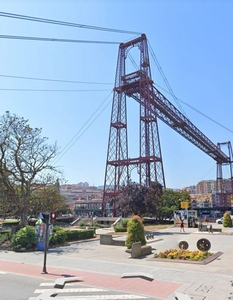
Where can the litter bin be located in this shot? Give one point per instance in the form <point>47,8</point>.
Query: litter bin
<point>40,246</point>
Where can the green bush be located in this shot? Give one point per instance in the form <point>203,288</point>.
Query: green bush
<point>24,238</point>
<point>6,231</point>
<point>136,233</point>
<point>75,235</point>
<point>119,228</point>
<point>59,236</point>
<point>122,226</point>
<point>124,223</point>
<point>227,221</point>
<point>4,236</point>
<point>97,225</point>
<point>84,224</point>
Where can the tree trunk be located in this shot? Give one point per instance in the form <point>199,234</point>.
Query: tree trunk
<point>24,219</point>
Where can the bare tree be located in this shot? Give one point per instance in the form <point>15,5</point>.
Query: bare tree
<point>25,161</point>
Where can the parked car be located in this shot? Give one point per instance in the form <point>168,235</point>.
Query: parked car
<point>219,221</point>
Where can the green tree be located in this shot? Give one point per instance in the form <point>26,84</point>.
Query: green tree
<point>227,221</point>
<point>47,198</point>
<point>25,161</point>
<point>169,202</point>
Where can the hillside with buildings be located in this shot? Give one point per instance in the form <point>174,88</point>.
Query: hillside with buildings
<point>85,199</point>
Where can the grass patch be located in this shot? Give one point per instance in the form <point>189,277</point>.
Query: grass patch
<point>157,227</point>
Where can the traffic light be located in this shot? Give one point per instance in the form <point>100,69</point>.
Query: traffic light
<point>53,216</point>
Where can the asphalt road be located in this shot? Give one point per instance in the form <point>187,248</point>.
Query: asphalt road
<point>17,287</point>
<point>21,287</point>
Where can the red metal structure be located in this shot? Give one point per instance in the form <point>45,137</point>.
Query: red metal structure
<point>224,188</point>
<point>153,105</point>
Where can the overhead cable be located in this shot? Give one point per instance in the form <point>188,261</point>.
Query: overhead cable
<point>83,129</point>
<point>165,80</point>
<point>198,111</point>
<point>46,90</point>
<point>55,22</point>
<point>54,80</point>
<point>33,38</point>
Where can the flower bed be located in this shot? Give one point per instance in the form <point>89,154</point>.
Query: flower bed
<point>180,254</point>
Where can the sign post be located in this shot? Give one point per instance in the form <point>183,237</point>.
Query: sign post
<point>45,218</point>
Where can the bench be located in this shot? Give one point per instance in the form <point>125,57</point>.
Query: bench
<point>138,250</point>
<point>107,239</point>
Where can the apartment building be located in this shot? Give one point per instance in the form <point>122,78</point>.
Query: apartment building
<point>205,187</point>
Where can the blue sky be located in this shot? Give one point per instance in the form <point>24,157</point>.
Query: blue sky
<point>192,41</point>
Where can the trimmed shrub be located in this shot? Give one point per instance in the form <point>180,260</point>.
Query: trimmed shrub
<point>227,221</point>
<point>124,223</point>
<point>119,228</point>
<point>122,226</point>
<point>97,225</point>
<point>84,224</point>
<point>24,238</point>
<point>136,233</point>
<point>59,236</point>
<point>75,235</point>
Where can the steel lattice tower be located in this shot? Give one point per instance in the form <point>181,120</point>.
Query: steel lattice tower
<point>223,190</point>
<point>138,85</point>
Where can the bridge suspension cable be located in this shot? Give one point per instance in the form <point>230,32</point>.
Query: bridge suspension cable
<point>34,38</point>
<point>165,79</point>
<point>62,23</point>
<point>54,80</point>
<point>83,129</point>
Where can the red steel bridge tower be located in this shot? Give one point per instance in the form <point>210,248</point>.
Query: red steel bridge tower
<point>152,105</point>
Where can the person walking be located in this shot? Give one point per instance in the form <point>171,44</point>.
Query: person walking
<point>182,226</point>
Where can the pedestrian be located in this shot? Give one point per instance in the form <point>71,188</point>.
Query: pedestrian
<point>182,226</point>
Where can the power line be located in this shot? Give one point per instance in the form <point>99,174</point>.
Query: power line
<point>77,136</point>
<point>78,90</point>
<point>165,79</point>
<point>53,80</point>
<point>33,38</point>
<point>85,82</point>
<point>55,22</point>
<point>197,111</point>
<point>46,90</point>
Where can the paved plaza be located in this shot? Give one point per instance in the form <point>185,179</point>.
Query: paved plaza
<point>103,266</point>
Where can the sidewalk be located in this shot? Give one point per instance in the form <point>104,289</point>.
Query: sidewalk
<point>103,266</point>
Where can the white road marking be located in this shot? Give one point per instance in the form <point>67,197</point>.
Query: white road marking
<point>97,297</point>
<point>74,290</point>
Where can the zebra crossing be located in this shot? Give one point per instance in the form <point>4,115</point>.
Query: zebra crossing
<point>76,291</point>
